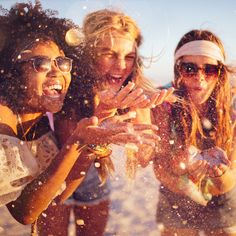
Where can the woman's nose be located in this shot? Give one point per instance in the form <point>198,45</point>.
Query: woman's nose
<point>54,71</point>
<point>200,75</point>
<point>121,63</point>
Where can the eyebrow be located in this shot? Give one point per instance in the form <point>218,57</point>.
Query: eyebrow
<point>110,50</point>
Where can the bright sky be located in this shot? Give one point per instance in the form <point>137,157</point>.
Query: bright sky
<point>162,22</point>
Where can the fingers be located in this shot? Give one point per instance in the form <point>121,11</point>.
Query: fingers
<point>105,95</point>
<point>121,95</point>
<point>198,173</point>
<point>217,171</point>
<point>161,97</point>
<point>131,98</point>
<point>194,166</point>
<point>140,127</point>
<point>118,120</point>
<point>225,159</point>
<point>85,122</point>
<point>156,98</point>
<point>127,116</point>
<point>124,138</point>
<point>170,97</point>
<point>140,101</point>
<point>143,104</point>
<point>151,137</point>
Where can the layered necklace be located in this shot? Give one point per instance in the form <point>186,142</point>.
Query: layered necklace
<point>24,132</point>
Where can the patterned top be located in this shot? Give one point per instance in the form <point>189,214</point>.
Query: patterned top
<point>22,161</point>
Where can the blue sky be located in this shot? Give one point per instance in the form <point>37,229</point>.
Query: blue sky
<point>162,22</point>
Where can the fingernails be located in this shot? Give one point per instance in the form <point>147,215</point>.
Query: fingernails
<point>155,127</point>
<point>131,84</point>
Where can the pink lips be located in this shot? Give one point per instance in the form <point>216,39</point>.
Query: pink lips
<point>53,90</point>
<point>113,79</point>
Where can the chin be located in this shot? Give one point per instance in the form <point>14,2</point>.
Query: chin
<point>53,108</point>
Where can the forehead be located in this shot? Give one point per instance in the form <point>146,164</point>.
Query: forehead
<point>200,60</point>
<point>118,43</point>
<point>45,48</point>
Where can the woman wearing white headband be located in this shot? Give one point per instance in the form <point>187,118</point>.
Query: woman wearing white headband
<point>197,143</point>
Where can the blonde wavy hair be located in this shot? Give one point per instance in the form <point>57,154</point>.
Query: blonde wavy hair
<point>186,116</point>
<point>108,23</point>
<point>102,23</point>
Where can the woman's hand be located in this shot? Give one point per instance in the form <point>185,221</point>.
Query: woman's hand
<point>217,160</point>
<point>122,99</point>
<point>130,97</point>
<point>114,130</point>
<point>155,99</point>
<point>190,162</point>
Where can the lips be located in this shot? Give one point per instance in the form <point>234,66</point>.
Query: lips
<point>53,90</point>
<point>114,79</point>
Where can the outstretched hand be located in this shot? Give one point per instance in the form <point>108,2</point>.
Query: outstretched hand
<point>218,161</point>
<point>115,130</point>
<point>131,97</point>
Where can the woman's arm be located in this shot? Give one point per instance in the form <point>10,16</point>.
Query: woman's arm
<point>227,180</point>
<point>37,195</point>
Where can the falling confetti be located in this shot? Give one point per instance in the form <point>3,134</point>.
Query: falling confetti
<point>80,222</point>
<point>97,164</point>
<point>74,37</point>
<point>206,123</point>
<point>44,215</point>
<point>171,142</point>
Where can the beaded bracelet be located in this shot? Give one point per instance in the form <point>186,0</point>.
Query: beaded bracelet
<point>100,150</point>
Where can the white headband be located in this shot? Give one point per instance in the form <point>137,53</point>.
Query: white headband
<point>200,48</point>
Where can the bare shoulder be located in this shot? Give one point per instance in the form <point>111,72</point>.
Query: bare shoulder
<point>8,120</point>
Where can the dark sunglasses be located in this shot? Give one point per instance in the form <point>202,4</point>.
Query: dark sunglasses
<point>44,64</point>
<point>189,69</point>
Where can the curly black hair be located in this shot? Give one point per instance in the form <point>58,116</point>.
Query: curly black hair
<point>79,100</point>
<point>19,28</point>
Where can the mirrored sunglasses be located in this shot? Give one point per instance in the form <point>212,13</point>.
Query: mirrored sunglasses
<point>189,69</point>
<point>44,64</point>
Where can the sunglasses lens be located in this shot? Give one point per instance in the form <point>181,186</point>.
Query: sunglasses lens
<point>42,64</point>
<point>64,64</point>
<point>188,69</point>
<point>211,69</point>
<point>191,69</point>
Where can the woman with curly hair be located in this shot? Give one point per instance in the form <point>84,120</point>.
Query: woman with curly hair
<point>35,75</point>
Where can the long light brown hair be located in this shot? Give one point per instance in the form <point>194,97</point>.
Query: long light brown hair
<point>186,117</point>
<point>102,23</point>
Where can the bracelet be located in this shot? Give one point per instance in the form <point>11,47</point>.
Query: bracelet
<point>100,150</point>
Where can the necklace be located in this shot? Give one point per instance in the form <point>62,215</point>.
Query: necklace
<point>25,132</point>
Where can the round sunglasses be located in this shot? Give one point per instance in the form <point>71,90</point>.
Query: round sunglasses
<point>44,63</point>
<point>189,69</point>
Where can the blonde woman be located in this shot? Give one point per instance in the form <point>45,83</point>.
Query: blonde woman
<point>110,70</point>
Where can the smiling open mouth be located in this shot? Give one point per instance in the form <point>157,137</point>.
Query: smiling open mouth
<point>114,79</point>
<point>53,90</point>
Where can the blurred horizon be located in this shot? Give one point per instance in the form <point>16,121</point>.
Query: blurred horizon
<point>162,23</point>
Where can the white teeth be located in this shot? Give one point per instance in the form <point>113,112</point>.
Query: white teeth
<point>55,86</point>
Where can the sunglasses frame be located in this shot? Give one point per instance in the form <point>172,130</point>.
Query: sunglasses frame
<point>203,69</point>
<point>55,60</point>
